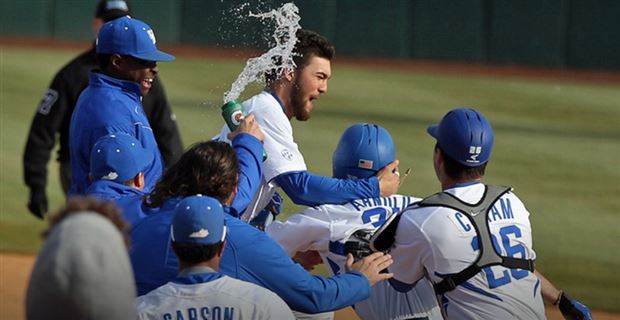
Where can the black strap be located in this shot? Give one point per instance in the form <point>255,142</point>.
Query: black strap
<point>488,256</point>
<point>383,238</point>
<point>452,281</point>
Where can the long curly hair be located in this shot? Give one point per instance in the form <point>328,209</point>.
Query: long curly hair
<point>210,168</point>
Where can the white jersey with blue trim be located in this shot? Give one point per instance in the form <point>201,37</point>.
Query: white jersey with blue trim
<point>222,298</point>
<point>437,241</point>
<point>326,228</point>
<point>283,154</point>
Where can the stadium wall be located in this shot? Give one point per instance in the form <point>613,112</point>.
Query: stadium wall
<point>553,33</point>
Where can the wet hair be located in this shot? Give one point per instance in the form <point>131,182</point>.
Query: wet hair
<point>209,168</point>
<point>79,205</point>
<point>196,253</point>
<point>460,172</point>
<point>309,44</point>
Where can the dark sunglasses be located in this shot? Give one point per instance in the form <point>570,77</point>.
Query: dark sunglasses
<point>143,63</point>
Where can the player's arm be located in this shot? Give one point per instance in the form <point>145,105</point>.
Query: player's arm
<point>247,144</point>
<point>570,308</point>
<point>308,189</point>
<point>301,232</point>
<point>408,252</point>
<point>301,290</point>
<point>51,112</point>
<point>163,122</point>
<point>305,188</point>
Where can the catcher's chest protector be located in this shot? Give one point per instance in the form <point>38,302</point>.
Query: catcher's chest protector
<point>477,215</point>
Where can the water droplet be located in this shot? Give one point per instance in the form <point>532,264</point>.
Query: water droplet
<point>287,23</point>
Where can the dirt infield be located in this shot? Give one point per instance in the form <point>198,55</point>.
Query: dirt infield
<point>15,270</point>
<point>14,274</point>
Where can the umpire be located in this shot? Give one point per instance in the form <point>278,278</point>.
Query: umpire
<point>54,114</point>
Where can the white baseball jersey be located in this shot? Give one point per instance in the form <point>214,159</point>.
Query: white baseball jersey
<point>326,228</point>
<point>436,241</point>
<point>222,298</point>
<point>283,155</point>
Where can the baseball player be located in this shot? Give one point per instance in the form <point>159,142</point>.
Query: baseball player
<point>198,234</point>
<point>472,241</point>
<point>210,168</point>
<point>111,103</point>
<point>291,95</point>
<point>54,114</point>
<point>329,229</point>
<point>117,164</point>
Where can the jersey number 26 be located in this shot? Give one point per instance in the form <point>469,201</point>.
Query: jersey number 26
<point>515,251</point>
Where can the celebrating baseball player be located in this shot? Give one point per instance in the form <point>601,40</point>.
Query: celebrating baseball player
<point>53,116</point>
<point>117,164</point>
<point>111,103</point>
<point>333,229</point>
<point>211,168</point>
<point>473,241</point>
<point>292,95</point>
<point>198,234</point>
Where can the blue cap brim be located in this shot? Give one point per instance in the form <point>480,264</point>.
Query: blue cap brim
<point>154,56</point>
<point>432,130</point>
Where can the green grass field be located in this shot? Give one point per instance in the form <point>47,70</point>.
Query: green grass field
<point>557,143</point>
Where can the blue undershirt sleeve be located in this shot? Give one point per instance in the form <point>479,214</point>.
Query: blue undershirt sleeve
<point>250,155</point>
<point>308,189</point>
<point>301,290</point>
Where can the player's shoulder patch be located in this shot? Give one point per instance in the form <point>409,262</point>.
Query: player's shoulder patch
<point>49,98</point>
<point>286,154</point>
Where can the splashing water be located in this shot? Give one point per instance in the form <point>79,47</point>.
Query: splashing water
<point>287,23</point>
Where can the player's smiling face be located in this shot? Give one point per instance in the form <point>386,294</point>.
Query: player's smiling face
<point>142,72</point>
<point>308,85</point>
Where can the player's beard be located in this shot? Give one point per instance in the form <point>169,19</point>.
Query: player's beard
<point>299,103</point>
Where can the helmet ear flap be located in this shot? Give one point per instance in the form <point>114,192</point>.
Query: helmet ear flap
<point>363,150</point>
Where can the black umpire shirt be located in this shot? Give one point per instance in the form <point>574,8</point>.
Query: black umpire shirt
<point>54,114</point>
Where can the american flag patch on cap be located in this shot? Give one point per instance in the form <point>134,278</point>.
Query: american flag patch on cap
<point>364,164</point>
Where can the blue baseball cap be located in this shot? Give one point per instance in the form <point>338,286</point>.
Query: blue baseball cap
<point>118,157</point>
<point>465,135</point>
<point>198,220</point>
<point>132,37</point>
